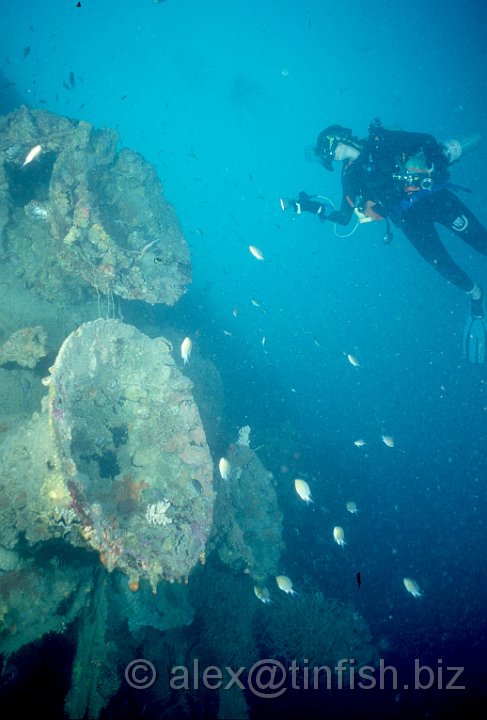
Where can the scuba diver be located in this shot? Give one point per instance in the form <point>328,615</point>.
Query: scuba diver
<point>403,178</point>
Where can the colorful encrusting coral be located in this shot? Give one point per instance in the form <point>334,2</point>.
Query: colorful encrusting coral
<point>128,470</point>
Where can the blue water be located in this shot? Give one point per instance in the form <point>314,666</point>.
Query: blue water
<point>226,99</point>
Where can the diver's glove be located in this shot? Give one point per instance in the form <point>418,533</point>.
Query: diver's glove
<point>304,203</point>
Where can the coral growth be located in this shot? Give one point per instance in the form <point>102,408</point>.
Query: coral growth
<point>35,601</point>
<point>156,513</point>
<point>111,463</point>
<point>248,519</point>
<point>84,215</point>
<point>24,347</point>
<point>316,629</point>
<point>244,436</point>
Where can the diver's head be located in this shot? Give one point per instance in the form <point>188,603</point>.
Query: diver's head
<point>328,141</point>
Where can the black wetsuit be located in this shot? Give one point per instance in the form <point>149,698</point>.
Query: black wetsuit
<point>369,184</point>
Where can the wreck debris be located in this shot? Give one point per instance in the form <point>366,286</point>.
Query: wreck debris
<point>24,347</point>
<point>104,218</point>
<point>118,445</point>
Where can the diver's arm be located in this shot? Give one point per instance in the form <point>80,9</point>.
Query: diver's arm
<point>350,189</point>
<point>304,203</point>
<point>343,215</point>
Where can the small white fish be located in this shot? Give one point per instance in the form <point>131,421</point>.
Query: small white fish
<point>262,593</point>
<point>388,440</point>
<point>353,360</point>
<point>352,507</point>
<point>412,587</point>
<point>285,584</point>
<point>256,252</point>
<point>339,536</point>
<point>359,443</point>
<point>303,490</point>
<point>186,347</point>
<point>224,468</point>
<point>263,340</point>
<point>32,154</point>
<point>235,312</point>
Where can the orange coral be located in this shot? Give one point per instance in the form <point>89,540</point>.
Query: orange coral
<point>126,492</point>
<point>134,584</point>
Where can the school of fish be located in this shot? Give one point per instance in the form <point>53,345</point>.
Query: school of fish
<point>301,486</point>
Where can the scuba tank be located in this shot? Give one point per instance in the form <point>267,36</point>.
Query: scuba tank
<point>453,149</point>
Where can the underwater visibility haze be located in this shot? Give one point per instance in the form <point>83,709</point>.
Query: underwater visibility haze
<point>243,452</point>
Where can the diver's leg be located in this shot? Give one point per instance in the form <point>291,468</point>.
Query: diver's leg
<point>446,209</point>
<point>457,217</point>
<point>425,239</point>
